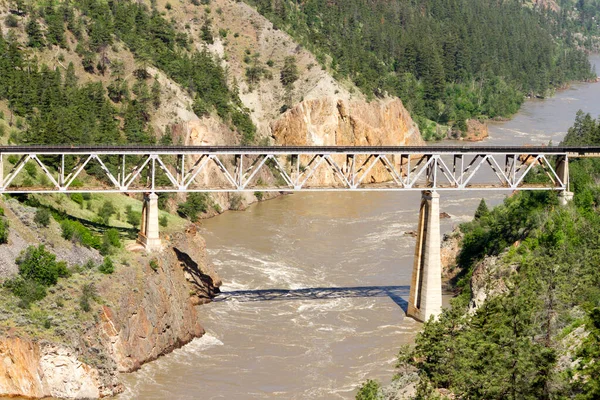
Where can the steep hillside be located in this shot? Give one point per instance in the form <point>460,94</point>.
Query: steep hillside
<point>526,319</point>
<point>447,61</point>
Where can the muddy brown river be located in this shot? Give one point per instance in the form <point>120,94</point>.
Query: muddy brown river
<point>315,284</point>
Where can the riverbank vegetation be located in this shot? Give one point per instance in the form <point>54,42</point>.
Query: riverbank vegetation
<point>447,61</point>
<point>536,335</point>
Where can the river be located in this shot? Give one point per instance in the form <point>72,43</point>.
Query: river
<point>315,284</point>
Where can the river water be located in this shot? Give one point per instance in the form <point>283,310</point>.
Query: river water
<point>315,284</point>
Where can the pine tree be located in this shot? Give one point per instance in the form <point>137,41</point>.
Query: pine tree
<point>482,210</point>
<point>34,31</point>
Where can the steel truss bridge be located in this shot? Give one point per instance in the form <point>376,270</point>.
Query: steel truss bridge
<point>227,168</point>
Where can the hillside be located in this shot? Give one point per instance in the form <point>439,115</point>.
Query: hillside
<point>525,321</point>
<point>447,61</point>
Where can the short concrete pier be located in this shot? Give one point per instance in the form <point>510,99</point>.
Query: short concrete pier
<point>149,232</point>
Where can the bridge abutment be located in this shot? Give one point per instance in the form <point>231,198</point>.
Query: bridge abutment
<point>149,231</point>
<point>425,298</point>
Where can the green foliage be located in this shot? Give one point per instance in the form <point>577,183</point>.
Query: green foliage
<point>482,210</point>
<point>3,230</point>
<point>42,217</point>
<point>154,264</point>
<point>78,233</point>
<point>163,221</point>
<point>107,267</point>
<point>369,391</point>
<point>195,204</point>
<point>133,217</point>
<point>34,32</point>
<point>447,61</point>
<point>88,292</point>
<point>547,260</point>
<point>110,240</point>
<point>289,72</point>
<point>28,291</point>
<point>37,264</point>
<point>106,211</point>
<point>77,198</point>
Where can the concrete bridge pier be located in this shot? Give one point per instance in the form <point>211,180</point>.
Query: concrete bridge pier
<point>149,231</point>
<point>425,298</point>
<point>562,170</point>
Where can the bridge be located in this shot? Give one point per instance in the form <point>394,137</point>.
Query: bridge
<point>175,169</point>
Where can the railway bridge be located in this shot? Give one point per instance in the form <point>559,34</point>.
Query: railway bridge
<point>429,169</point>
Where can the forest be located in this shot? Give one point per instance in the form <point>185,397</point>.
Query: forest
<point>57,108</point>
<point>447,60</point>
<point>538,336</point>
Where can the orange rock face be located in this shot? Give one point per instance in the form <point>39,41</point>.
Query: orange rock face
<point>336,122</point>
<point>329,122</point>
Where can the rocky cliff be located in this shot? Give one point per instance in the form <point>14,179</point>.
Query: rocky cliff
<point>144,310</point>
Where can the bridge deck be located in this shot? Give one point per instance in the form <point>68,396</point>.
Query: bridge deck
<point>573,151</point>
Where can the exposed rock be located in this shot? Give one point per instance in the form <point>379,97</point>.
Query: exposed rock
<point>489,279</point>
<point>445,215</point>
<point>411,233</point>
<point>162,316</point>
<point>449,253</point>
<point>332,121</point>
<point>34,369</point>
<point>476,132</point>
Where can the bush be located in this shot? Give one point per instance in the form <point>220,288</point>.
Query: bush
<point>77,198</point>
<point>133,217</point>
<point>196,203</point>
<point>154,264</point>
<point>37,264</point>
<point>42,217</point>
<point>3,231</point>
<point>88,292</point>
<point>163,221</point>
<point>27,290</point>
<point>76,232</point>
<point>106,211</point>
<point>110,239</point>
<point>107,267</point>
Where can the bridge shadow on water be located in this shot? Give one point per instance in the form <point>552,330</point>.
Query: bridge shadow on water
<point>397,293</point>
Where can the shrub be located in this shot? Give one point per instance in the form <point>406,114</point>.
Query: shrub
<point>88,292</point>
<point>31,170</point>
<point>196,203</point>
<point>133,217</point>
<point>76,232</point>
<point>77,198</point>
<point>163,221</point>
<point>42,217</point>
<point>110,239</point>
<point>107,267</point>
<point>11,21</point>
<point>39,265</point>
<point>154,264</point>
<point>235,202</point>
<point>106,211</point>
<point>27,290</point>
<point>3,231</point>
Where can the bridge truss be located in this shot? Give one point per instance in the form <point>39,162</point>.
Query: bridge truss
<point>226,169</point>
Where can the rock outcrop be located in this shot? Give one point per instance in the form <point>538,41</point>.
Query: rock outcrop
<point>333,121</point>
<point>161,315</point>
<point>329,121</point>
<point>33,369</point>
<point>489,279</point>
<point>149,309</point>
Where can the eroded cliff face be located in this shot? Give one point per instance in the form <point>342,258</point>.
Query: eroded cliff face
<point>148,311</point>
<point>331,121</point>
<point>159,314</point>
<point>43,369</point>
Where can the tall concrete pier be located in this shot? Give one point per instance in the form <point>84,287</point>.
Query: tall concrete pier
<point>149,236</point>
<point>425,298</point>
<point>562,171</point>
